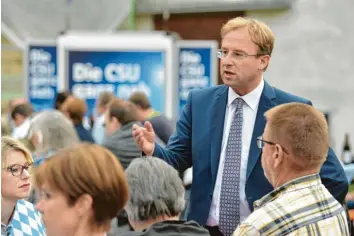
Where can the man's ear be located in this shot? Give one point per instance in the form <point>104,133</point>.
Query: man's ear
<point>278,155</point>
<point>115,120</point>
<point>264,62</point>
<point>83,205</point>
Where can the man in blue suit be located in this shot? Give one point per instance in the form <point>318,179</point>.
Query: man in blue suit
<point>217,131</point>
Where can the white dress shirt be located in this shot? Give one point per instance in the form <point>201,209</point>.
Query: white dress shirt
<point>249,117</point>
<point>22,130</point>
<point>98,130</point>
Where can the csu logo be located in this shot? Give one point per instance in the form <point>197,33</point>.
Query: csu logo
<point>113,72</point>
<point>122,72</point>
<point>86,72</point>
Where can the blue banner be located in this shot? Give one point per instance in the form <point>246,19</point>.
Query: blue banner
<point>120,72</point>
<point>42,76</point>
<point>195,71</point>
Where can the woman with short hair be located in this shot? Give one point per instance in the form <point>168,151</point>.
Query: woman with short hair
<point>82,189</point>
<point>18,216</point>
<point>157,200</point>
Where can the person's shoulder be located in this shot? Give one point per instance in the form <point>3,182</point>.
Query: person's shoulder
<point>285,97</point>
<point>132,233</point>
<point>26,207</point>
<point>209,92</point>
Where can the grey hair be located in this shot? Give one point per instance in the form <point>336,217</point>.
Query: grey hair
<point>155,190</point>
<point>56,131</point>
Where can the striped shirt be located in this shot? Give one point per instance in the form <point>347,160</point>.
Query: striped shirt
<point>300,207</point>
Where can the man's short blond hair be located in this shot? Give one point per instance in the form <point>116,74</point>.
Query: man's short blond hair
<point>301,129</point>
<point>260,33</point>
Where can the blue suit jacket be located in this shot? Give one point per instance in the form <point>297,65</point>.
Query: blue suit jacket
<point>197,142</point>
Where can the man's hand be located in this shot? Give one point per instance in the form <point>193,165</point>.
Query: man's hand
<point>145,138</point>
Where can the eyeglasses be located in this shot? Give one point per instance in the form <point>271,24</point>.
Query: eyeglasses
<point>221,54</point>
<point>261,141</point>
<point>17,170</point>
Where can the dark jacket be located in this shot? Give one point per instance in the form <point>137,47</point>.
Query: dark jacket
<point>84,134</point>
<point>172,228</point>
<point>198,138</point>
<point>122,144</point>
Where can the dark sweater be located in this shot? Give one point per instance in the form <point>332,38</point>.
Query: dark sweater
<point>172,228</point>
<point>122,144</point>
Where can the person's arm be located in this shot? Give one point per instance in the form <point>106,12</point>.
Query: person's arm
<point>246,230</point>
<point>334,178</point>
<point>178,151</point>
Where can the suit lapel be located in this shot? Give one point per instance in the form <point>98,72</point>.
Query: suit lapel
<point>266,102</point>
<point>217,129</point>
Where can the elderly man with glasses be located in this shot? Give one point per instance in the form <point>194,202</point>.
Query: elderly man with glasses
<point>294,147</point>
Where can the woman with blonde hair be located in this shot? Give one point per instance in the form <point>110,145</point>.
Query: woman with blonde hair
<point>81,190</point>
<point>18,216</point>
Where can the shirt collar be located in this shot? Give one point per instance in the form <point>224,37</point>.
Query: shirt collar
<point>296,184</point>
<point>251,99</point>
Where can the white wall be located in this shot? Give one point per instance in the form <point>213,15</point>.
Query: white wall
<point>314,58</point>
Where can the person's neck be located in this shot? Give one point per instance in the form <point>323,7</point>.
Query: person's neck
<point>242,91</point>
<point>287,176</point>
<point>140,226</point>
<point>7,208</point>
<point>85,229</point>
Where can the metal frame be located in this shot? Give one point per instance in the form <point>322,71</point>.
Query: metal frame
<point>122,41</point>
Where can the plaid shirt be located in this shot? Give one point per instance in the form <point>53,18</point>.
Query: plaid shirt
<point>300,207</point>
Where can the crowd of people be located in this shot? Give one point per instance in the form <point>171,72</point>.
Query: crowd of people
<point>261,159</point>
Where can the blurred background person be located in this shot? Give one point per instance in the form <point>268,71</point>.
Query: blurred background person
<point>21,116</point>
<point>18,216</point>
<point>157,200</point>
<point>75,109</point>
<point>50,132</point>
<point>61,98</point>
<point>119,120</point>
<point>82,190</point>
<point>7,124</point>
<point>98,130</point>
<point>162,126</point>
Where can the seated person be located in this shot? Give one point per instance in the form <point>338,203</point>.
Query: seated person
<point>60,99</point>
<point>82,189</point>
<point>294,147</point>
<point>162,126</point>
<point>75,109</point>
<point>120,117</point>
<point>21,116</point>
<point>51,131</point>
<point>18,216</point>
<point>157,200</point>
<point>102,102</point>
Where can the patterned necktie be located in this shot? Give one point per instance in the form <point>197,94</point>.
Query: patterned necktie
<point>230,186</point>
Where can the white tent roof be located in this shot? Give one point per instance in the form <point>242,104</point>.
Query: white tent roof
<point>48,18</point>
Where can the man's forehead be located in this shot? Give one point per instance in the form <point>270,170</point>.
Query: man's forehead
<point>237,39</point>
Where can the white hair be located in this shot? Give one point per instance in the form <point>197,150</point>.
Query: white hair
<point>53,130</point>
<point>155,190</point>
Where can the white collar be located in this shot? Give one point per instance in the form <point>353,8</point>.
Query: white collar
<point>251,99</point>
